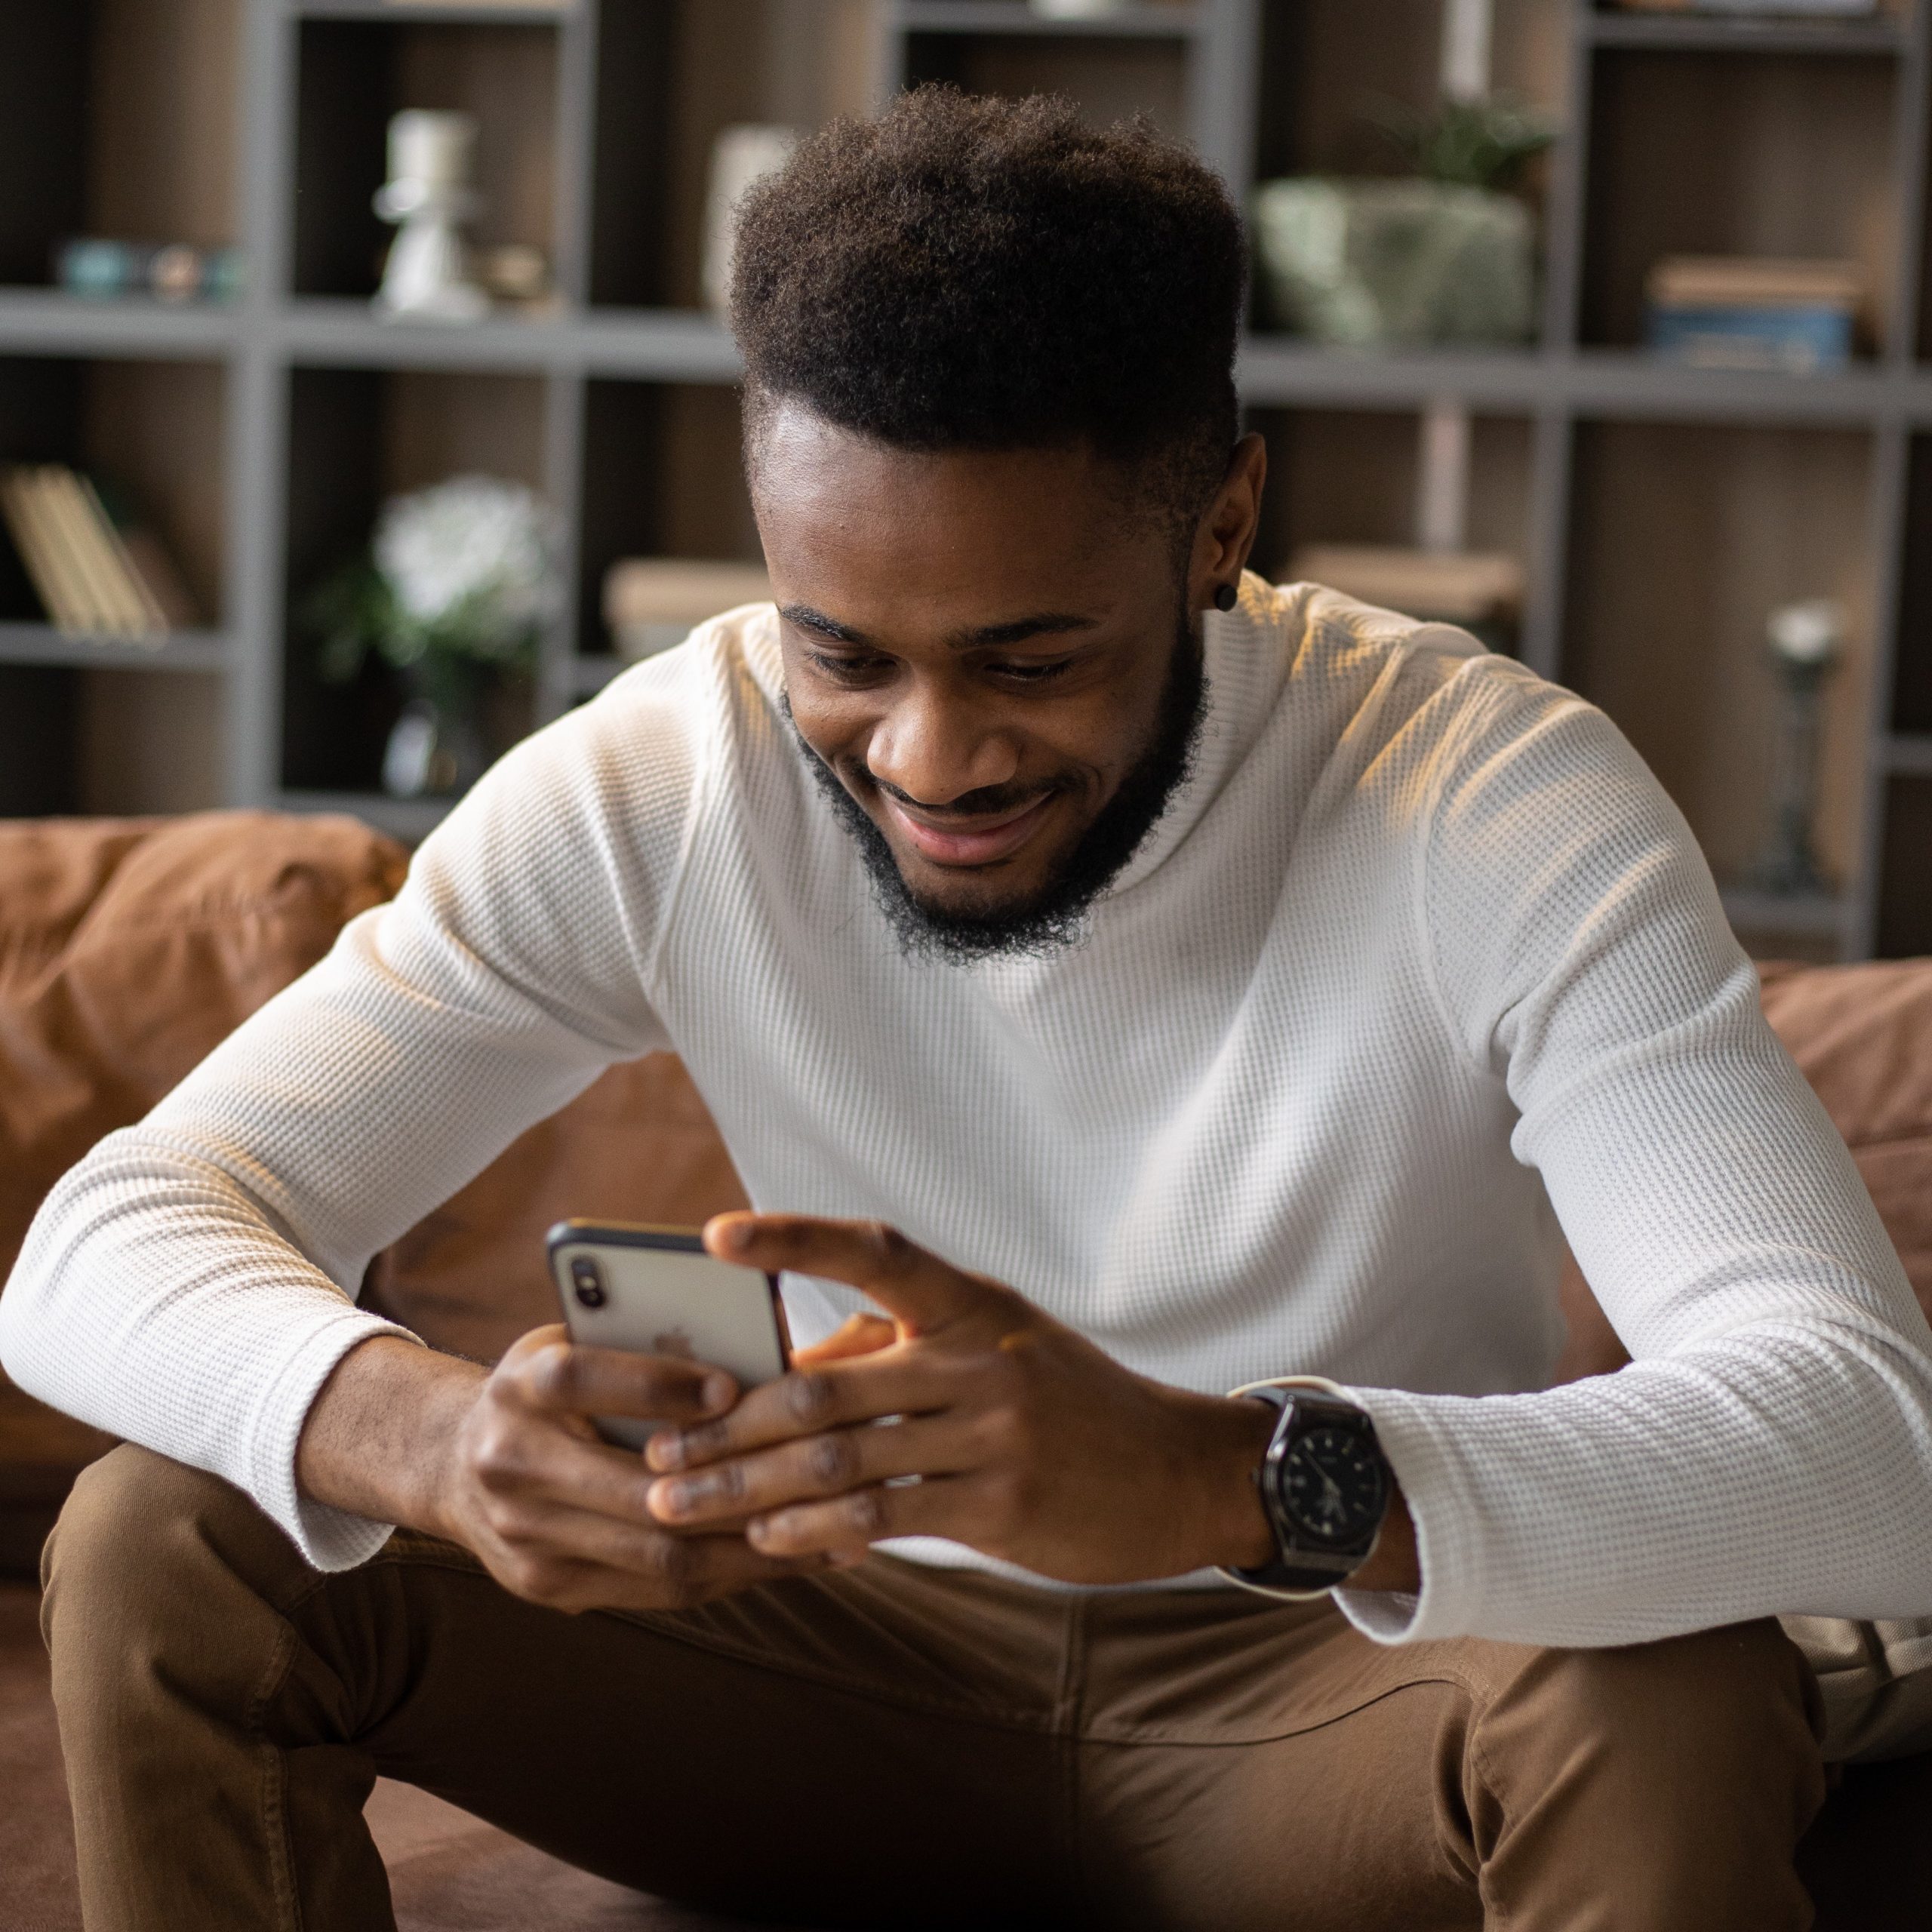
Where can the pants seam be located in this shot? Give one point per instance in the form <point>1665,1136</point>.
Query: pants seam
<point>272,1786</point>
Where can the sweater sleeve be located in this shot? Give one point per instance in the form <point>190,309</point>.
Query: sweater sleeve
<point>191,1284</point>
<point>1769,1449</point>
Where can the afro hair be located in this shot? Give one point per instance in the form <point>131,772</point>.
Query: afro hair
<point>968,272</point>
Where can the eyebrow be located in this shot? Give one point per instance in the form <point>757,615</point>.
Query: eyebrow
<point>1016,630</point>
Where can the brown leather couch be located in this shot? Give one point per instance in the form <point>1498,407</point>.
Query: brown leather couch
<point>128,949</point>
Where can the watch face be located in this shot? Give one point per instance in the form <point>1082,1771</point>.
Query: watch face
<point>1332,1485</point>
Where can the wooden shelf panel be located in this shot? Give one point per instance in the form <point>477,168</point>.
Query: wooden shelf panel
<point>183,650</point>
<point>1719,34</point>
<point>999,17</point>
<point>436,13</point>
<point>1812,915</point>
<point>591,671</point>
<point>410,819</point>
<point>667,345</point>
<point>48,321</point>
<point>1909,753</point>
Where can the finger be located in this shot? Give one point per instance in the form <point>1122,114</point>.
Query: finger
<point>583,1561</point>
<point>940,1507</point>
<point>858,1335</point>
<point>550,1373</point>
<point>808,1402</point>
<point>921,1292</point>
<point>819,1466</point>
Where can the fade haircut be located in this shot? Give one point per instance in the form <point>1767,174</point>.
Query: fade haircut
<point>973,273</point>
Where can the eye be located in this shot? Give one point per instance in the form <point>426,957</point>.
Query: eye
<point>847,667</point>
<point>1031,670</point>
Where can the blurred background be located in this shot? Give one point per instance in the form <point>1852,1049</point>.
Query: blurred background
<point>363,401</point>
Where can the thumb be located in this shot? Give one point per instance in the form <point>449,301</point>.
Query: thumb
<point>917,1289</point>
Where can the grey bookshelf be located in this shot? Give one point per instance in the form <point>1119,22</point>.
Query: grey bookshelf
<point>1657,509</point>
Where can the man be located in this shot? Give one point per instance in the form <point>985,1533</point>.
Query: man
<point>1233,979</point>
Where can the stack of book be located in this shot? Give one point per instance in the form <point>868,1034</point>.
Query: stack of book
<point>1743,312</point>
<point>652,603</point>
<point>1795,9</point>
<point>94,577</point>
<point>1481,590</point>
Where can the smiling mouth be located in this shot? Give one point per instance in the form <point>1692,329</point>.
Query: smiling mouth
<point>974,841</point>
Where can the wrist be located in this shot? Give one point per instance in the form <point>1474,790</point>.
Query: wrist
<point>381,1438</point>
<point>1240,1535</point>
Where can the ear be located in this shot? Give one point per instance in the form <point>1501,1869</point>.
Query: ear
<point>1226,534</point>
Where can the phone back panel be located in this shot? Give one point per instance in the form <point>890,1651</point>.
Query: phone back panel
<point>663,1295</point>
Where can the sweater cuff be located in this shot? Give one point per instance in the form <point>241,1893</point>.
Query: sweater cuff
<point>329,1539</point>
<point>1419,1451</point>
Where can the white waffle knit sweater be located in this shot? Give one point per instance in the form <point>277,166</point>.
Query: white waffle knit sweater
<point>1420,951</point>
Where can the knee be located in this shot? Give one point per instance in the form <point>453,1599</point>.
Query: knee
<point>147,1554</point>
<point>1737,1705</point>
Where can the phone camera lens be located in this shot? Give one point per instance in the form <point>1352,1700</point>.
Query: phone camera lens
<point>588,1279</point>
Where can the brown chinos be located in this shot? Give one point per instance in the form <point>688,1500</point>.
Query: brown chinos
<point>893,1745</point>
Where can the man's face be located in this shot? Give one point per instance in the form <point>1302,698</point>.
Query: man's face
<point>986,650</point>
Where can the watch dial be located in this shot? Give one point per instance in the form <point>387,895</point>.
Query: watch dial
<point>1332,1485</point>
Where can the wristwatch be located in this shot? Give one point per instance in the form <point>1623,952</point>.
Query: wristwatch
<point>1325,1485</point>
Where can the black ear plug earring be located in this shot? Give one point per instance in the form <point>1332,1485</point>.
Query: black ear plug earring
<point>1224,597</point>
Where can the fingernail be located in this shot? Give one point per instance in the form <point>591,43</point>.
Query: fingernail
<point>675,1498</point>
<point>738,1235</point>
<point>666,1449</point>
<point>716,1393</point>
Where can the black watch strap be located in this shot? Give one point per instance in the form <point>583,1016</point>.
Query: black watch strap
<point>1301,1570</point>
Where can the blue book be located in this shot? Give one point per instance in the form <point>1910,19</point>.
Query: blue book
<point>1793,338</point>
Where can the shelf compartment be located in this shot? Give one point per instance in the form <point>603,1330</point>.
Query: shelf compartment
<point>672,75</point>
<point>663,475</point>
<point>1683,539</point>
<point>1791,156</point>
<point>1911,709</point>
<point>1905,869</point>
<point>117,119</point>
<point>1108,78</point>
<point>357,437</point>
<point>1012,18</point>
<point>1353,477</point>
<point>1883,37</point>
<point>156,431</point>
<point>439,13</point>
<point>356,71</point>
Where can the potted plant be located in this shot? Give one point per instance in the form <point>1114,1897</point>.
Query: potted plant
<point>1446,255</point>
<point>455,591</point>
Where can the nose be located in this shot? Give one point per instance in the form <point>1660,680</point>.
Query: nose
<point>936,746</point>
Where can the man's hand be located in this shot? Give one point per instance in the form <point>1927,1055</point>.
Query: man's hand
<point>509,1465</point>
<point>1029,1443</point>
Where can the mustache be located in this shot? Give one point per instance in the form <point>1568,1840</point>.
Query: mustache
<point>986,801</point>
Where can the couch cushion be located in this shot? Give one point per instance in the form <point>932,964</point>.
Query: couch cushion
<point>637,1145</point>
<point>1862,1035</point>
<point>129,948</point>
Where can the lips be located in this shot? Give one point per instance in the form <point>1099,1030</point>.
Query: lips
<point>974,842</point>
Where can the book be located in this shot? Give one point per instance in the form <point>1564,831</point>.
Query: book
<point>1751,312</point>
<point>92,577</point>
<point>54,579</point>
<point>652,603</point>
<point>1452,587</point>
<point>1756,9</point>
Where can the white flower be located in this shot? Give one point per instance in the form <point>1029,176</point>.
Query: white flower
<point>476,542</point>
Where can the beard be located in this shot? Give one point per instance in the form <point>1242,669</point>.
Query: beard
<point>1053,917</point>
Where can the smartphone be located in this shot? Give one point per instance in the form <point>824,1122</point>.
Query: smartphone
<point>655,1291</point>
